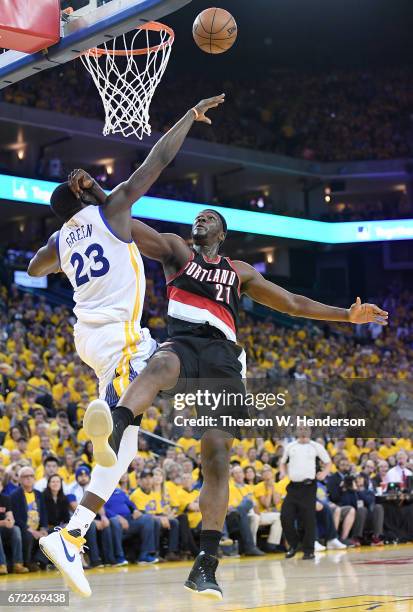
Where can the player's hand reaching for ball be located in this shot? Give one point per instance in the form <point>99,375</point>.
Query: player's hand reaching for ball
<point>367,313</point>
<point>79,180</point>
<point>202,107</point>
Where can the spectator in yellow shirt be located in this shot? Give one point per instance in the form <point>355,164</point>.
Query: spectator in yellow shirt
<point>143,449</point>
<point>10,441</point>
<point>148,499</point>
<point>67,471</point>
<point>252,460</point>
<point>241,512</point>
<point>387,449</point>
<point>188,443</point>
<point>267,514</point>
<point>189,502</point>
<point>150,419</point>
<point>239,453</point>
<point>38,381</point>
<point>41,429</point>
<point>62,387</point>
<point>66,440</point>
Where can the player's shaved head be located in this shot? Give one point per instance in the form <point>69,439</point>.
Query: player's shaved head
<point>64,203</point>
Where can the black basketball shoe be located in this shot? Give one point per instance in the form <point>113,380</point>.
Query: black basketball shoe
<point>202,579</point>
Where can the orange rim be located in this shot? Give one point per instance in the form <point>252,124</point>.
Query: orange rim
<point>153,26</point>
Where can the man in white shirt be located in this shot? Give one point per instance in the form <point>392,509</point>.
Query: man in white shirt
<point>51,466</point>
<point>300,501</point>
<point>399,472</point>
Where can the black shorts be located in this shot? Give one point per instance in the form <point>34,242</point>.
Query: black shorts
<point>210,365</point>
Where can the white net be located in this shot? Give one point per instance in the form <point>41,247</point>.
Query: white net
<point>126,72</point>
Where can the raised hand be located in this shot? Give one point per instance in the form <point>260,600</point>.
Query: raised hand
<point>203,106</point>
<point>78,181</point>
<point>367,313</point>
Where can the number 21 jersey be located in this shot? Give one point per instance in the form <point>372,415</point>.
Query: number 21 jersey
<point>106,272</point>
<point>204,291</point>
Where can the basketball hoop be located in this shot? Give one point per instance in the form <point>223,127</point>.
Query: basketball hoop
<point>127,73</point>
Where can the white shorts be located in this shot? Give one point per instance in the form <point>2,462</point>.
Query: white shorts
<point>117,352</point>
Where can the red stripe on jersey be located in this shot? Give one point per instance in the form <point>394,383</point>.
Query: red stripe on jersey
<point>186,297</point>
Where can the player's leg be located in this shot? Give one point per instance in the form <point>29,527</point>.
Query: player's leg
<point>106,428</point>
<point>63,547</point>
<point>213,502</point>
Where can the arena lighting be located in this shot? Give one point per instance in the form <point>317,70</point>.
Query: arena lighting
<point>33,191</point>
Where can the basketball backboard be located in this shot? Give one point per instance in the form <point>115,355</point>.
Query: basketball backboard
<point>94,22</point>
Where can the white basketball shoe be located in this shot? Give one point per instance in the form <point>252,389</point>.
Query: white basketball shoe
<point>63,549</point>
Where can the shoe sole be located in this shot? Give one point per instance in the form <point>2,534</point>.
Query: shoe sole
<point>207,594</point>
<point>68,581</point>
<point>98,425</point>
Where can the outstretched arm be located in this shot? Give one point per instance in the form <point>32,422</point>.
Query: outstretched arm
<point>46,260</point>
<point>166,248</point>
<point>273,296</point>
<point>126,194</point>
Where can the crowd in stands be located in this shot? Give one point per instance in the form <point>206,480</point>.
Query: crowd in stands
<point>390,206</point>
<point>334,116</point>
<point>153,515</point>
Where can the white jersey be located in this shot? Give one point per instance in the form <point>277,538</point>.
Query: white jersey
<point>106,272</point>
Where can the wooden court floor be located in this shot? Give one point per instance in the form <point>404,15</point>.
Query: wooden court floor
<point>367,579</point>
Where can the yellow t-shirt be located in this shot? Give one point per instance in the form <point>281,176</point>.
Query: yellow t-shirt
<point>68,477</point>
<point>146,454</point>
<point>39,472</point>
<point>4,424</point>
<point>385,452</point>
<point>39,382</point>
<point>33,516</point>
<point>149,424</point>
<point>187,497</point>
<point>33,443</point>
<point>174,494</point>
<point>257,464</point>
<point>150,503</point>
<point>81,436</point>
<point>4,459</point>
<point>279,487</point>
<point>248,443</point>
<point>260,489</point>
<point>237,493</point>
<point>187,443</point>
<point>270,447</point>
<point>405,444</point>
<point>36,457</point>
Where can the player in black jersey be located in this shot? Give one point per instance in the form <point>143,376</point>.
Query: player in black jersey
<point>204,290</point>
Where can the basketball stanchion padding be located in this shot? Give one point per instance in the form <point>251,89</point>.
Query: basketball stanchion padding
<point>29,25</point>
<point>126,72</point>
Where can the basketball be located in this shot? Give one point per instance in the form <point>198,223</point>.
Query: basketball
<point>214,30</point>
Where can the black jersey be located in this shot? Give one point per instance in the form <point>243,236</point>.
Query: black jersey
<point>203,292</point>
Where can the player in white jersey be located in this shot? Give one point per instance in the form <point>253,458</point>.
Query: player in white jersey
<point>94,248</point>
<point>108,279</point>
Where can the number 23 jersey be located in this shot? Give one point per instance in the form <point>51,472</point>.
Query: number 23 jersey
<point>106,272</point>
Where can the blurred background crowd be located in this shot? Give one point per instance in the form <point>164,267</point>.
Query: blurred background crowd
<point>333,116</point>
<point>45,458</point>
